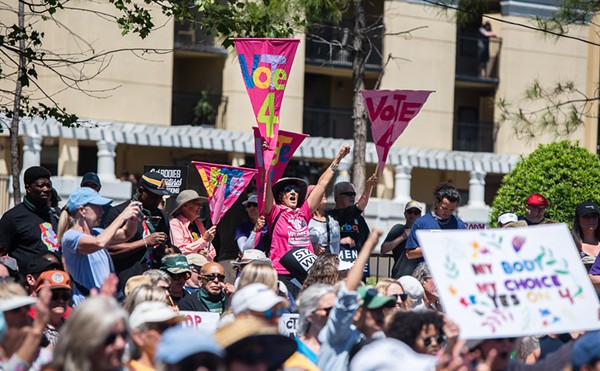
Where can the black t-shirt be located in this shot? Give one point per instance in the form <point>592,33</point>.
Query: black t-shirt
<point>353,225</point>
<point>224,241</point>
<point>403,266</point>
<point>201,301</point>
<point>25,233</point>
<point>123,263</point>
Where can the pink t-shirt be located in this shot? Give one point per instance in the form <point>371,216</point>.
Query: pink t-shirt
<point>291,231</point>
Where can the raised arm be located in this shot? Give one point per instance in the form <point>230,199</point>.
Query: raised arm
<point>121,227</point>
<point>356,272</point>
<point>364,199</point>
<point>314,200</point>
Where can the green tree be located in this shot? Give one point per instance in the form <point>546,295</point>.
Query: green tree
<point>563,172</point>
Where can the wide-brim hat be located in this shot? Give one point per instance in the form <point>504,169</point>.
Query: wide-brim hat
<point>301,183</point>
<point>252,255</point>
<point>154,182</point>
<point>184,197</point>
<point>235,335</point>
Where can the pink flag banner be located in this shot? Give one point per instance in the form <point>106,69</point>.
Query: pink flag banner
<point>224,184</point>
<point>287,143</point>
<point>390,112</point>
<point>266,65</point>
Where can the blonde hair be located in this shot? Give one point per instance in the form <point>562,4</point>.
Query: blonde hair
<point>384,285</point>
<point>258,272</point>
<point>88,327</point>
<point>144,293</point>
<point>65,222</point>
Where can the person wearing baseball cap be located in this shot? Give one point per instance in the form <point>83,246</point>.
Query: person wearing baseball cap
<point>177,267</point>
<point>195,262</point>
<point>586,232</point>
<point>91,180</point>
<point>255,227</point>
<point>29,228</point>
<point>535,208</point>
<point>151,241</point>
<point>60,286</point>
<point>9,271</point>
<point>258,300</point>
<point>187,348</point>
<point>395,241</point>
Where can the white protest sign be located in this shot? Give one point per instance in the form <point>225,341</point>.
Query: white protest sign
<point>511,282</point>
<point>288,324</point>
<point>201,320</point>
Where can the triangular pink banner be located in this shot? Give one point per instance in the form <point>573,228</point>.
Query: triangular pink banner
<point>390,112</point>
<point>266,65</point>
<point>224,184</point>
<point>287,143</point>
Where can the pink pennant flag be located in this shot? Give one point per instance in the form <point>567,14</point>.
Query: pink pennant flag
<point>266,65</point>
<point>224,184</point>
<point>390,112</point>
<point>287,143</point>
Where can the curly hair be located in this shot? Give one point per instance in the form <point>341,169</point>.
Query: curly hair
<point>324,270</point>
<point>448,191</point>
<point>406,326</point>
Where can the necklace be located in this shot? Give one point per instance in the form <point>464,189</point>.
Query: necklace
<point>439,220</point>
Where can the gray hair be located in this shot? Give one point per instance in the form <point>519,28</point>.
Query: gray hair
<point>157,275</point>
<point>88,327</point>
<point>308,302</point>
<point>144,293</point>
<point>422,273</point>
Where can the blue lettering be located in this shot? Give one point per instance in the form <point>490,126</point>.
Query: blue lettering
<point>244,66</point>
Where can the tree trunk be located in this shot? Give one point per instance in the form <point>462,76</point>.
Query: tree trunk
<point>358,106</point>
<point>14,125</point>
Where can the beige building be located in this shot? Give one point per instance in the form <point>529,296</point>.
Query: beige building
<point>140,107</point>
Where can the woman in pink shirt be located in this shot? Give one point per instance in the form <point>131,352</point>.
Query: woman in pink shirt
<point>187,232</point>
<point>288,212</point>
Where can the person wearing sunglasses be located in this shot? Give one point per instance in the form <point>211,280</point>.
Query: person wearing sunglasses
<point>392,288</point>
<point>446,199</point>
<point>348,213</point>
<point>260,301</point>
<point>178,269</point>
<point>94,337</point>
<point>213,294</point>
<point>148,322</point>
<point>422,331</point>
<point>288,211</point>
<point>395,241</point>
<point>59,284</point>
<point>248,230</point>
<point>84,245</point>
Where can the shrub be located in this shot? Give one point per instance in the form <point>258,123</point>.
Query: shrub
<point>563,172</point>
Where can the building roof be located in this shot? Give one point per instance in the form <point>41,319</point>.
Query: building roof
<point>205,138</point>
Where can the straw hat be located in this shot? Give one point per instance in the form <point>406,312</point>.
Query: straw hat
<point>184,197</point>
<point>301,183</point>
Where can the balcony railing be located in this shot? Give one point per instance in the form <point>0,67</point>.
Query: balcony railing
<point>188,37</point>
<point>325,46</point>
<point>184,110</point>
<point>473,137</point>
<point>477,58</point>
<point>331,123</point>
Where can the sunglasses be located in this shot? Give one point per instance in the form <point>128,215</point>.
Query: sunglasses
<point>56,296</point>
<point>212,276</point>
<point>289,188</point>
<point>326,310</point>
<point>273,313</point>
<point>348,194</point>
<point>179,276</point>
<point>251,205</point>
<point>401,296</point>
<point>439,340</point>
<point>413,212</point>
<point>160,327</point>
<point>110,339</point>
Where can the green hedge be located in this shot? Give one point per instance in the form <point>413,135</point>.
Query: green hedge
<point>563,172</point>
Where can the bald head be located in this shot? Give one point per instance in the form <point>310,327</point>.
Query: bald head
<point>212,277</point>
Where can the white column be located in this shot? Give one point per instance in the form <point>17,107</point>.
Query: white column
<point>32,147</point>
<point>343,171</point>
<point>402,183</point>
<point>106,160</point>
<point>477,188</point>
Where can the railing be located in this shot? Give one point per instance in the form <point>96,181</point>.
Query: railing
<point>325,45</point>
<point>184,110</point>
<point>331,123</point>
<point>188,37</point>
<point>477,58</point>
<point>473,137</point>
<point>381,266</point>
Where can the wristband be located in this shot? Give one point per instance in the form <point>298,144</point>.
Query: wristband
<point>364,197</point>
<point>334,167</point>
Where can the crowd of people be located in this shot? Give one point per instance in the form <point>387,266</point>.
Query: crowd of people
<point>91,286</point>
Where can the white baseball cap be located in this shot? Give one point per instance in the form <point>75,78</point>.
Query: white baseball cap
<point>16,302</point>
<point>255,296</point>
<point>507,218</point>
<point>153,311</point>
